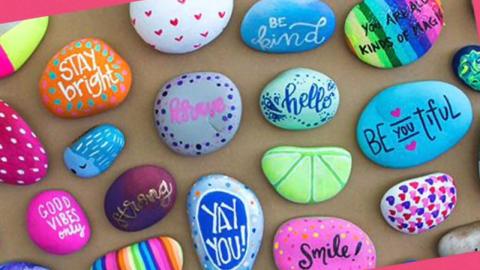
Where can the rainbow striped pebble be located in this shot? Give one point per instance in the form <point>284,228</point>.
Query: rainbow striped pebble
<point>393,33</point>
<point>160,253</point>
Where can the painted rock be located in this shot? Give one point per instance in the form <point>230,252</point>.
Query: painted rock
<point>163,253</point>
<point>198,113</point>
<point>464,239</point>
<point>322,243</point>
<point>85,78</point>
<point>307,175</point>
<point>23,160</point>
<point>288,26</point>
<point>421,204</point>
<point>18,41</point>
<point>466,66</point>
<point>95,151</point>
<point>411,124</point>
<point>179,26</point>
<point>300,99</point>
<point>57,223</point>
<point>226,219</point>
<point>140,197</point>
<point>21,266</point>
<point>393,33</point>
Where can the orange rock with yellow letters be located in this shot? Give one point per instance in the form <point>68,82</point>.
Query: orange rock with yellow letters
<point>85,78</point>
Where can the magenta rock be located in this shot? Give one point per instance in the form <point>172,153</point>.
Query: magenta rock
<point>322,243</point>
<point>23,160</point>
<point>57,223</point>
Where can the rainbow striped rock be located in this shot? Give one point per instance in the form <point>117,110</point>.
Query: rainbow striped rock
<point>160,253</point>
<point>18,41</point>
<point>393,33</point>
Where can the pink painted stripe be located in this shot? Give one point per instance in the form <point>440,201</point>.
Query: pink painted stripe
<point>469,261</point>
<point>111,261</point>
<point>6,67</point>
<point>424,15</point>
<point>159,253</point>
<point>476,11</point>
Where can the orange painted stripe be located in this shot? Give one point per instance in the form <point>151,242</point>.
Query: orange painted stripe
<point>171,253</point>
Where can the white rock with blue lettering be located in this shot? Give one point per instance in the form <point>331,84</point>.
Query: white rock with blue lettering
<point>95,151</point>
<point>226,219</point>
<point>300,99</point>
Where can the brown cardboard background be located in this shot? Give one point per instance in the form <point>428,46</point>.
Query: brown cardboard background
<point>250,70</point>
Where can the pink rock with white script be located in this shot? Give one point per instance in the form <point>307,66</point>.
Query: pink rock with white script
<point>198,113</point>
<point>322,243</point>
<point>57,223</point>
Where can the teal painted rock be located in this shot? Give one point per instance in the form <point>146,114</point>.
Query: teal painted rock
<point>300,99</point>
<point>307,175</point>
<point>466,66</point>
<point>411,124</point>
<point>227,221</point>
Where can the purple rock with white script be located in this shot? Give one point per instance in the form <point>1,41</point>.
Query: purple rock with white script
<point>140,197</point>
<point>198,113</point>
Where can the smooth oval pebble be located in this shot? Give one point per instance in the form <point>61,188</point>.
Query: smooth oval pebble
<point>464,239</point>
<point>140,197</point>
<point>198,113</point>
<point>288,26</point>
<point>393,33</point>
<point>18,41</point>
<point>307,175</point>
<point>465,66</point>
<point>419,205</point>
<point>95,151</point>
<point>56,223</point>
<point>23,160</point>
<point>86,77</point>
<point>300,99</point>
<point>226,220</point>
<point>163,253</point>
<point>322,243</point>
<point>410,124</point>
<point>21,266</point>
<point>179,26</point>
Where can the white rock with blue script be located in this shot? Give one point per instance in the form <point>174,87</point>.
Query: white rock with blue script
<point>410,124</point>
<point>226,219</point>
<point>288,26</point>
<point>300,99</point>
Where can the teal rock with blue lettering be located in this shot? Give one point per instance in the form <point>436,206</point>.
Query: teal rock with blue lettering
<point>411,124</point>
<point>288,26</point>
<point>300,99</point>
<point>227,221</point>
<point>95,151</point>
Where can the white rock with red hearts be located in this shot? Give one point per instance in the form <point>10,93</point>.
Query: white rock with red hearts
<point>419,205</point>
<point>180,26</point>
<point>23,160</point>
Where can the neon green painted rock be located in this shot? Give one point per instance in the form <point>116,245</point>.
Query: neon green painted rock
<point>307,175</point>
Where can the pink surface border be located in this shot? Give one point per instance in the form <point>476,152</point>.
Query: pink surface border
<point>469,261</point>
<point>14,10</point>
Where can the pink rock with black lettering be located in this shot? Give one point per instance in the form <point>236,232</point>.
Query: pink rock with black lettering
<point>322,243</point>
<point>419,205</point>
<point>198,113</point>
<point>57,223</point>
<point>23,160</point>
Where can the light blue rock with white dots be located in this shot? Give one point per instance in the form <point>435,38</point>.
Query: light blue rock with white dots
<point>300,99</point>
<point>95,151</point>
<point>226,219</point>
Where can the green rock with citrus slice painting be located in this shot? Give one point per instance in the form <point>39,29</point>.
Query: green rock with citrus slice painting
<point>307,175</point>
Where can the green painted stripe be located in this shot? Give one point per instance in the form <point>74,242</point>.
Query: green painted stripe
<point>137,258</point>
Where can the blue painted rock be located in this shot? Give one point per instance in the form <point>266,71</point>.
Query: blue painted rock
<point>226,219</point>
<point>411,124</point>
<point>288,26</point>
<point>140,197</point>
<point>300,99</point>
<point>198,113</point>
<point>95,151</point>
<point>21,266</point>
<point>466,66</point>
<point>419,205</point>
<point>393,33</point>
